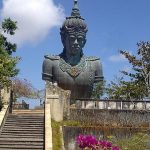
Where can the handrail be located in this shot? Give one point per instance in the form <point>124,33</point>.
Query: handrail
<point>4,118</point>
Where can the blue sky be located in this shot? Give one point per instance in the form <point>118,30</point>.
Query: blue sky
<point>112,25</point>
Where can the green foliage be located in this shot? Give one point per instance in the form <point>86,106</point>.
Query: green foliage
<point>139,85</point>
<point>140,74</point>
<point>7,61</point>
<point>136,142</point>
<point>125,90</point>
<point>98,90</point>
<point>56,135</point>
<point>7,67</point>
<point>9,27</point>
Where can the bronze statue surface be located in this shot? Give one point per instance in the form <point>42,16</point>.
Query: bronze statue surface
<point>71,70</point>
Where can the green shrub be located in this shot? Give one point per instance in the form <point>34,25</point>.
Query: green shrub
<point>138,141</point>
<point>56,135</point>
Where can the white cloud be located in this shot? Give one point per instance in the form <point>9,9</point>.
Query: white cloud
<point>117,58</point>
<point>35,18</point>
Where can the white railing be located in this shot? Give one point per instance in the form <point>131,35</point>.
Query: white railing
<point>112,104</point>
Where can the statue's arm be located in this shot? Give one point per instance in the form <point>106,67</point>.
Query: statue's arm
<point>98,72</point>
<point>47,70</point>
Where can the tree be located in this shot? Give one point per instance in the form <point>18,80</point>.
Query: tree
<point>8,27</point>
<point>98,90</point>
<point>140,76</point>
<point>124,90</point>
<point>23,88</point>
<point>7,61</point>
<point>138,87</point>
<point>7,68</point>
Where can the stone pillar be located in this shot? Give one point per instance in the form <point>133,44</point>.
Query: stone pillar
<point>58,100</point>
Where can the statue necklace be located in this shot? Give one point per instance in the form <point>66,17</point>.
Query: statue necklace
<point>73,71</point>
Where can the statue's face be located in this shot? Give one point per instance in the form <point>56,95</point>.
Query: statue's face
<point>74,43</point>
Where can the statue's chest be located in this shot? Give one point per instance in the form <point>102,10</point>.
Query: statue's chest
<point>81,75</point>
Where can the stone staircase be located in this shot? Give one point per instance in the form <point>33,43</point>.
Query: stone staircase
<point>23,130</point>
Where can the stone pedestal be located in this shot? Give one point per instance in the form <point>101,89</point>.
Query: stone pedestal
<point>56,107</point>
<point>59,101</point>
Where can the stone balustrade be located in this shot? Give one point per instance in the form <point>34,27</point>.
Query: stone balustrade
<point>112,104</point>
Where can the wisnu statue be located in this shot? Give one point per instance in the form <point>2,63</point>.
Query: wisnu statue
<point>71,69</point>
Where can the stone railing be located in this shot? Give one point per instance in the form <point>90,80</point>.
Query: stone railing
<point>3,115</point>
<point>22,105</point>
<point>112,104</point>
<point>111,112</point>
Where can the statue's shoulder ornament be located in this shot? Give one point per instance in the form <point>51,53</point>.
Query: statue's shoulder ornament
<point>92,58</point>
<point>52,57</point>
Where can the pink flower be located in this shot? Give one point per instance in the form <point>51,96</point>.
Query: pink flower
<point>105,144</point>
<point>87,141</point>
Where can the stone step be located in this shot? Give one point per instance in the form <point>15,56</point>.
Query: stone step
<point>21,140</point>
<point>40,136</point>
<point>23,126</point>
<point>23,129</point>
<point>24,132</point>
<point>25,121</point>
<point>21,147</point>
<point>15,132</point>
<point>28,112</point>
<point>29,118</point>
<point>26,117</point>
<point>21,143</point>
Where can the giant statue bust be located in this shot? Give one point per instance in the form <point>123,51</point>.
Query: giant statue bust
<point>71,69</point>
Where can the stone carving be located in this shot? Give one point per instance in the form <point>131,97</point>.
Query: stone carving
<point>71,69</point>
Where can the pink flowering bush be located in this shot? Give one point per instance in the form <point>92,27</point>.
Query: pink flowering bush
<point>90,142</point>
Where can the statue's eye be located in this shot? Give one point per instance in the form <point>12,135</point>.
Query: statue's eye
<point>72,38</point>
<point>80,39</point>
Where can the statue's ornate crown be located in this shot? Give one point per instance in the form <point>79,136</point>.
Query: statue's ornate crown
<point>74,22</point>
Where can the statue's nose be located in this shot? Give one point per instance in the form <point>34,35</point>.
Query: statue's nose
<point>76,42</point>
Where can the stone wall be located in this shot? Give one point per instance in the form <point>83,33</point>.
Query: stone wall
<point>107,117</point>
